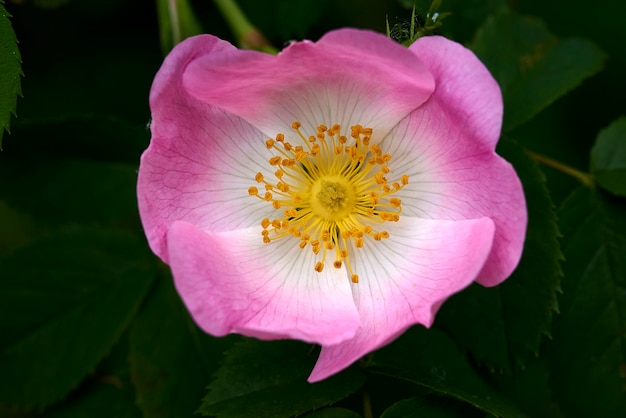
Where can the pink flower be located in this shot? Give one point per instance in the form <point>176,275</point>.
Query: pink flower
<point>337,193</point>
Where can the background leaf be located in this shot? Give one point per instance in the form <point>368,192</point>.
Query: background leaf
<point>503,325</point>
<point>167,349</point>
<point>436,363</point>
<point>108,393</point>
<point>73,190</point>
<point>532,66</point>
<point>268,380</point>
<point>64,302</point>
<point>89,136</point>
<point>608,158</point>
<point>419,407</point>
<point>333,413</point>
<point>10,71</point>
<point>589,348</point>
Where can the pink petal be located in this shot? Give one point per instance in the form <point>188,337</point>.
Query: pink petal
<point>405,279</point>
<point>349,77</point>
<point>446,147</point>
<point>231,282</point>
<point>471,95</point>
<point>200,161</point>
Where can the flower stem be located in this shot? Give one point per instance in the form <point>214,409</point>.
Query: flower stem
<point>173,13</point>
<point>367,404</point>
<point>584,178</point>
<point>248,37</point>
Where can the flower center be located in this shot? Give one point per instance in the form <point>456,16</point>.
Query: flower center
<point>334,198</point>
<point>333,192</point>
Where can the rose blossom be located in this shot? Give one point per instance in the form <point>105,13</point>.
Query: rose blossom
<point>336,193</point>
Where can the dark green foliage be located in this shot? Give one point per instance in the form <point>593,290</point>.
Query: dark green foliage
<point>10,71</point>
<point>107,393</point>
<point>166,348</point>
<point>431,407</point>
<point>268,380</point>
<point>502,326</point>
<point>588,353</point>
<point>608,158</point>
<point>429,358</point>
<point>65,301</point>
<point>533,67</point>
<point>333,413</point>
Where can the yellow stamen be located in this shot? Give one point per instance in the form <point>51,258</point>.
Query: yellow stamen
<point>332,192</point>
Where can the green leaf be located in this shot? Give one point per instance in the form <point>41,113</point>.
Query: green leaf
<point>167,349</point>
<point>503,325</point>
<point>430,359</point>
<point>88,136</point>
<point>589,348</point>
<point>73,190</point>
<point>268,380</point>
<point>532,66</point>
<point>297,18</point>
<point>530,388</point>
<point>64,302</point>
<point>286,19</point>
<point>17,228</point>
<point>419,407</point>
<point>177,22</point>
<point>608,158</point>
<point>108,393</point>
<point>10,71</point>
<point>333,413</point>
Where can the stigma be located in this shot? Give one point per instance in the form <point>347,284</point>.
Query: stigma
<point>330,192</point>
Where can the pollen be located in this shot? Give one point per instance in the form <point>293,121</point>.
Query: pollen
<point>331,192</point>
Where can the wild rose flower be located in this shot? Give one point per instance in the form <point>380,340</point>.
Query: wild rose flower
<point>337,193</point>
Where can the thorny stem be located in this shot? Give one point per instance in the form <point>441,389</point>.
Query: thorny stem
<point>248,37</point>
<point>584,178</point>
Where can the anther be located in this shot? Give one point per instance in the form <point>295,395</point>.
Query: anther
<point>253,191</point>
<point>275,160</point>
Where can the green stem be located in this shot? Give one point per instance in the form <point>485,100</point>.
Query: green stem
<point>367,404</point>
<point>173,13</point>
<point>584,178</point>
<point>248,37</point>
